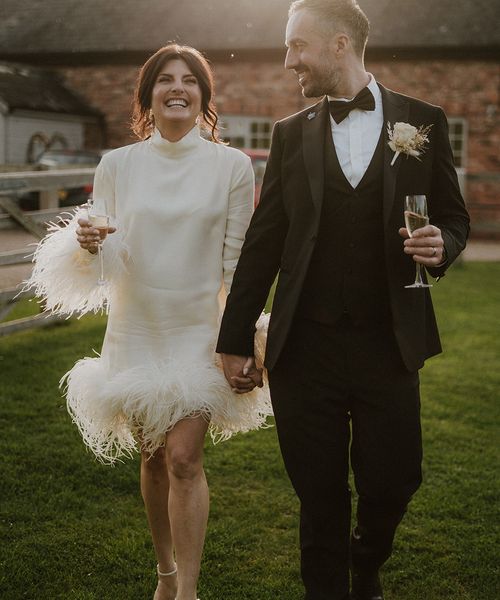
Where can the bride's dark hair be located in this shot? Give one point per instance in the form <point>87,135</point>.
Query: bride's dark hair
<point>142,120</point>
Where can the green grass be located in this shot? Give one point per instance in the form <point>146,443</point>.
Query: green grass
<point>22,308</point>
<point>74,529</point>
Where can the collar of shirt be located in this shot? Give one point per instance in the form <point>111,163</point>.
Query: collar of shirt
<point>374,89</point>
<point>356,137</point>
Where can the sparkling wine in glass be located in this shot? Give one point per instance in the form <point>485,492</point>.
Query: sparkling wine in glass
<point>101,223</point>
<point>416,217</point>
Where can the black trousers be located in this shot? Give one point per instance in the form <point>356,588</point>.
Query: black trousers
<point>342,392</point>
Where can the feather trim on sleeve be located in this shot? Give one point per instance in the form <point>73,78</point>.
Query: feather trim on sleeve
<point>65,276</point>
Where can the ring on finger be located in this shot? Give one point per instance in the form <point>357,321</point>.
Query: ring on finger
<point>434,252</point>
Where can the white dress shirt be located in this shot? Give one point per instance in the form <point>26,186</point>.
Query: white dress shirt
<point>356,137</point>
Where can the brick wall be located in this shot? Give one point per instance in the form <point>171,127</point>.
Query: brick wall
<point>466,89</point>
<point>109,89</point>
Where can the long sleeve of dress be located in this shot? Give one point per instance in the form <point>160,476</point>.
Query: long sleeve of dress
<point>64,275</point>
<point>241,198</point>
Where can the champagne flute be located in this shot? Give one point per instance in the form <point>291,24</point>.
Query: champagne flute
<point>416,217</point>
<point>101,223</point>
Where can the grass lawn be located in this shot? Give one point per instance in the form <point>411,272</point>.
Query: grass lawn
<point>73,529</point>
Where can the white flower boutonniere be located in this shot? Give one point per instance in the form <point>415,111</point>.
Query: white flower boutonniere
<point>407,139</point>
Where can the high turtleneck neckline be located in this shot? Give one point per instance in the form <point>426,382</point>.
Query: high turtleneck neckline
<point>185,145</point>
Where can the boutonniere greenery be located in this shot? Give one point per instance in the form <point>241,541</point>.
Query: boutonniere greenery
<point>407,139</point>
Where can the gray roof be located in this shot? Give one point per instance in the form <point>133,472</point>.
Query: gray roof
<point>28,88</point>
<point>68,27</point>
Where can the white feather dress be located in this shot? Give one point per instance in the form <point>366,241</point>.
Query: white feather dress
<point>181,210</point>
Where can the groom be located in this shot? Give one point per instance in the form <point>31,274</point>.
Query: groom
<point>346,339</point>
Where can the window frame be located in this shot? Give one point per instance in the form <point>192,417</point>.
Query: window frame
<point>246,131</point>
<point>458,141</point>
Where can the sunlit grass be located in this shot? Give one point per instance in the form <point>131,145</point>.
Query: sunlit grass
<point>73,529</point>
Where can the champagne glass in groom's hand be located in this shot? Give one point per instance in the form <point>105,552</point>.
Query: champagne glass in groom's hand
<point>416,217</point>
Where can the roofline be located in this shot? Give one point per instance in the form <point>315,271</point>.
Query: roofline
<point>137,57</point>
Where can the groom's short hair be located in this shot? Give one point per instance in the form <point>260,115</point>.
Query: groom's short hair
<point>338,16</point>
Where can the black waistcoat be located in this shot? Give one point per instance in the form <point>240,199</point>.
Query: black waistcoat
<point>347,271</point>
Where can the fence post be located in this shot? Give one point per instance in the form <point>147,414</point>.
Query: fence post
<point>49,199</point>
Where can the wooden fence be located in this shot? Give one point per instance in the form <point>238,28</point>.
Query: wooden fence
<point>47,183</point>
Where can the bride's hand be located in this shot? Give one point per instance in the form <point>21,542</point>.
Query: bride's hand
<point>241,373</point>
<point>88,236</point>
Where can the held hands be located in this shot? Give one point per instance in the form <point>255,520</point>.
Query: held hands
<point>241,373</point>
<point>88,236</point>
<point>426,246</point>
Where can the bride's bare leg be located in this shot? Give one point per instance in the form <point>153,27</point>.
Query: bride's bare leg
<point>188,501</point>
<point>155,491</point>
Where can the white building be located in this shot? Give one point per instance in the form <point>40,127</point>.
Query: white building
<point>38,112</point>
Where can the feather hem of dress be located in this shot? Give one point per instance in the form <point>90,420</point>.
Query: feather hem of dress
<point>65,276</point>
<point>113,412</point>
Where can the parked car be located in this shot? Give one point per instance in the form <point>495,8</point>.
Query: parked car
<point>259,160</point>
<point>62,159</point>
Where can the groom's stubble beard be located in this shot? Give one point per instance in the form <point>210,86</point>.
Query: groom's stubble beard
<point>324,78</point>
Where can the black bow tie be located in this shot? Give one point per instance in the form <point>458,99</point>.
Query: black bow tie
<point>340,109</point>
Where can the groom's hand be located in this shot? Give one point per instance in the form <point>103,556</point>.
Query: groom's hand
<point>241,373</point>
<point>426,245</point>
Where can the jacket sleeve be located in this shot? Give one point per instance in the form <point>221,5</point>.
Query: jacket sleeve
<point>447,210</point>
<point>259,261</point>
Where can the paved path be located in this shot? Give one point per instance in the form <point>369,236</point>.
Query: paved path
<point>478,250</point>
<point>17,239</point>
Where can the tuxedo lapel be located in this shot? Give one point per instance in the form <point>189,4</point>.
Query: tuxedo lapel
<point>396,109</point>
<point>314,126</point>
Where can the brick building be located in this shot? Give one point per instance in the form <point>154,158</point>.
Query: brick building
<point>445,52</point>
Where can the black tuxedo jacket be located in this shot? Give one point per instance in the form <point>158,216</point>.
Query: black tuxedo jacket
<point>283,230</point>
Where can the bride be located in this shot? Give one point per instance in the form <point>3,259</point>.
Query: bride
<point>180,205</point>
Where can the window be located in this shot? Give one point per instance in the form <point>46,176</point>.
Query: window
<point>458,140</point>
<point>246,132</point>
